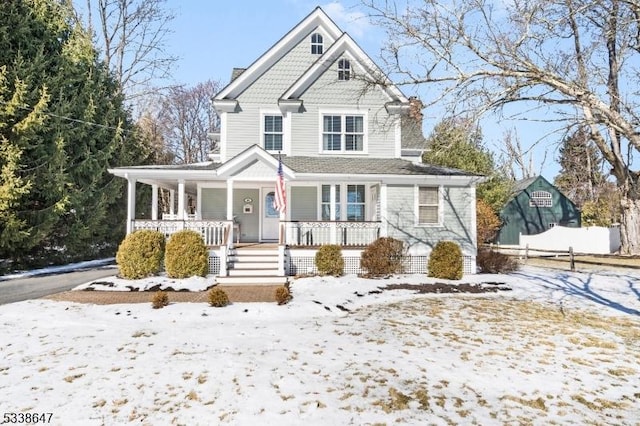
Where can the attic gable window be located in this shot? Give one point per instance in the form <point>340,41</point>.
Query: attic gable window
<point>344,70</point>
<point>540,199</point>
<point>316,44</point>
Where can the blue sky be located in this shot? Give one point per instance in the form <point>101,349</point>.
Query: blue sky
<point>210,38</point>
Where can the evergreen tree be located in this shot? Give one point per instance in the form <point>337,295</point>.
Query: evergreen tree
<point>457,143</point>
<point>580,174</point>
<point>62,124</point>
<point>581,179</point>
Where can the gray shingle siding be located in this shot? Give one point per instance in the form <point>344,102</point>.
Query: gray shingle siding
<point>456,224</point>
<point>304,202</point>
<point>214,203</point>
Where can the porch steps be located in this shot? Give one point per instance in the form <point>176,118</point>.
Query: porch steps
<point>253,266</point>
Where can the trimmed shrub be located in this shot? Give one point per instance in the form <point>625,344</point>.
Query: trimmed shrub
<point>493,262</point>
<point>218,297</point>
<point>186,255</point>
<point>160,300</point>
<point>445,261</point>
<point>329,260</point>
<point>282,295</point>
<point>140,254</point>
<point>382,257</point>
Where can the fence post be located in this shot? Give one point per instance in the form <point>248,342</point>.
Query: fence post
<point>572,261</point>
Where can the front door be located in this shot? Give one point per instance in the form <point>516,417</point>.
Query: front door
<point>270,216</point>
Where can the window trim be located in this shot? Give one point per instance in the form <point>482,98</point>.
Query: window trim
<point>342,201</point>
<point>540,199</point>
<point>416,198</point>
<point>318,43</point>
<point>267,113</point>
<point>343,114</point>
<point>345,70</point>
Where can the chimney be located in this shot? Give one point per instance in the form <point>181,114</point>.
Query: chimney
<point>415,108</point>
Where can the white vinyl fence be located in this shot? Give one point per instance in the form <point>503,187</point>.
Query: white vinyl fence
<point>592,240</point>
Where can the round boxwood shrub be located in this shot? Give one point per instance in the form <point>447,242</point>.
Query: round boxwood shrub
<point>329,260</point>
<point>445,261</point>
<point>186,255</point>
<point>282,295</point>
<point>218,298</point>
<point>140,254</point>
<point>382,257</point>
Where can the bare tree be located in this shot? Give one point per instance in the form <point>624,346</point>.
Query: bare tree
<point>186,119</point>
<point>518,161</point>
<point>568,62</point>
<point>131,35</point>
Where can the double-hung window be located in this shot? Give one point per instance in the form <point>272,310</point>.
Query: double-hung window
<point>273,132</point>
<point>428,205</point>
<point>343,133</point>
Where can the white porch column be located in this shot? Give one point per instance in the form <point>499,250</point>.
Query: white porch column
<point>383,210</point>
<point>230,208</point>
<point>172,202</point>
<point>332,212</point>
<point>154,202</point>
<point>229,199</point>
<point>131,203</point>
<point>180,200</point>
<point>199,203</point>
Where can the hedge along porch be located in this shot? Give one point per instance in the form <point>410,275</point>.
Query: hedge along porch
<point>329,201</point>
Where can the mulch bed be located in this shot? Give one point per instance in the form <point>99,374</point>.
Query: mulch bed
<point>238,294</point>
<point>489,287</point>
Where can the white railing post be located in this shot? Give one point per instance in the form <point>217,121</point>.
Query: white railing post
<point>223,260</point>
<point>281,260</point>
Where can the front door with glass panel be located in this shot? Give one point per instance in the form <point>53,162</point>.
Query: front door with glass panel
<point>270,216</point>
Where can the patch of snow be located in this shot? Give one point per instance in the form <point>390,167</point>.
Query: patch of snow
<point>88,264</point>
<point>390,357</point>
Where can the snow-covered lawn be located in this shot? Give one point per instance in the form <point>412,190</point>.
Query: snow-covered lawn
<point>560,348</point>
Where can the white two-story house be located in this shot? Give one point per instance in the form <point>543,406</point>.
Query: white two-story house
<point>350,154</point>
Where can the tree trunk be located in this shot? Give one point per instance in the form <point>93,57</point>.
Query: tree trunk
<point>630,225</point>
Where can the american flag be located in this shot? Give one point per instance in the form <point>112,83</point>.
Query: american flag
<point>280,203</point>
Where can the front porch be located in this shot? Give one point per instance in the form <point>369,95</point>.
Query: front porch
<point>298,234</point>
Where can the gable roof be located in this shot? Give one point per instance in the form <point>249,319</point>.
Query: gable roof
<point>317,18</point>
<point>340,44</point>
<point>344,45</point>
<point>523,184</point>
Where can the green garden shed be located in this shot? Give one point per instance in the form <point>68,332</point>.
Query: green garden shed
<point>536,205</point>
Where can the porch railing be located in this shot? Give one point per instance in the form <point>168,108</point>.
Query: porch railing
<point>317,233</point>
<point>214,232</point>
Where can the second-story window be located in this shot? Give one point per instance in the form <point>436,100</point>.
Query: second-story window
<point>344,69</point>
<point>273,132</point>
<point>343,133</point>
<point>316,44</point>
